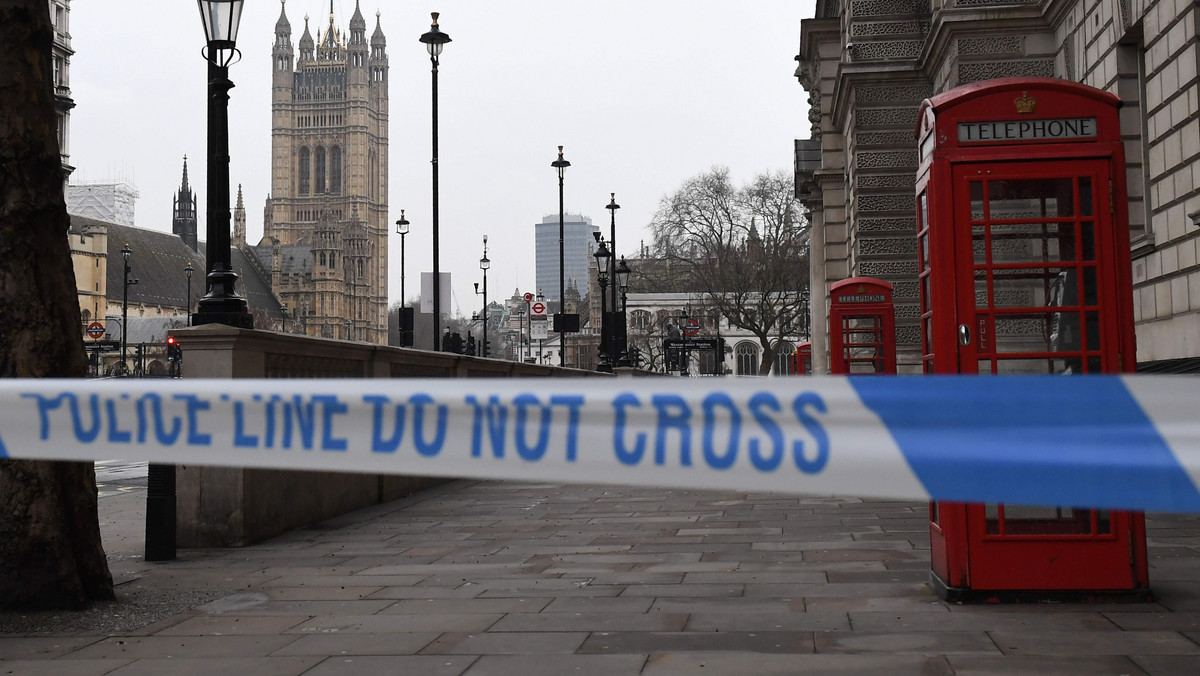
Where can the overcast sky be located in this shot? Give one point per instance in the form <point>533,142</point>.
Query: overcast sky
<point>642,93</point>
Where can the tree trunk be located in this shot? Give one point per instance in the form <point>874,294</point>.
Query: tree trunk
<point>50,550</point>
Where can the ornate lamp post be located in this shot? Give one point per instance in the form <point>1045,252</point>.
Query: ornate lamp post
<point>221,304</point>
<point>484,264</point>
<point>561,165</point>
<point>602,257</point>
<point>622,281</point>
<point>434,40</point>
<point>805,315</point>
<point>125,305</point>
<point>189,270</point>
<point>402,230</point>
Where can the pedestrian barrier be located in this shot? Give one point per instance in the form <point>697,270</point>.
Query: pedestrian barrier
<point>1130,442</point>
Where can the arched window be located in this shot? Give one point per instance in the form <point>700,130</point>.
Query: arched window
<point>305,171</point>
<point>747,358</point>
<point>335,170</point>
<point>784,365</point>
<point>319,178</point>
<point>639,320</point>
<point>322,258</point>
<point>333,260</point>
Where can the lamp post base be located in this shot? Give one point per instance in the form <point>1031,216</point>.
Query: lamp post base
<point>222,304</point>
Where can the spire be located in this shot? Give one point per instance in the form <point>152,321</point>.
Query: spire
<point>184,187</point>
<point>377,37</point>
<point>357,20</point>
<point>239,220</point>
<point>240,205</point>
<point>306,41</point>
<point>282,26</point>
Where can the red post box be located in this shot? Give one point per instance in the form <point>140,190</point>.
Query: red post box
<point>1023,254</point>
<point>802,360</point>
<point>862,327</point>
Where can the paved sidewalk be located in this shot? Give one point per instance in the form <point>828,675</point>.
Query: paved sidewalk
<point>485,578</point>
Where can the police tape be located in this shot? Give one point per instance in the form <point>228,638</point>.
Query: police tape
<point>1090,441</point>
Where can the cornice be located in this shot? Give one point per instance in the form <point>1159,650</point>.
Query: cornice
<point>950,23</point>
<point>851,75</point>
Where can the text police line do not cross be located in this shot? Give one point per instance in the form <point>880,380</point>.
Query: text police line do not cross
<point>1111,441</point>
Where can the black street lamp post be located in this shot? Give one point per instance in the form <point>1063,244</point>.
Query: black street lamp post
<point>602,257</point>
<point>616,331</point>
<point>561,166</point>
<point>622,281</point>
<point>189,270</point>
<point>805,315</point>
<point>434,40</point>
<point>484,264</point>
<point>402,230</point>
<point>125,305</point>
<point>221,303</point>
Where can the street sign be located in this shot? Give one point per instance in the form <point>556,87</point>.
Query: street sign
<point>538,309</point>
<point>95,330</point>
<point>692,345</point>
<point>539,328</point>
<point>528,296</point>
<point>691,327</point>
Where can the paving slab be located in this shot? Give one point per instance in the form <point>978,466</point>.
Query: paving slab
<point>690,664</point>
<point>61,667</point>
<point>1095,643</point>
<point>1044,665</point>
<point>205,666</point>
<point>765,642</point>
<point>437,665</point>
<point>576,665</point>
<point>391,643</point>
<point>502,642</point>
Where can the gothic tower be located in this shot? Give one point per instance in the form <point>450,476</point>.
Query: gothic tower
<point>329,145</point>
<point>183,218</point>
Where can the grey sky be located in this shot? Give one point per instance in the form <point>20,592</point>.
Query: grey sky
<point>642,93</point>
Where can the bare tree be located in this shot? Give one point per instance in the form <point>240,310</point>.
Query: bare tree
<point>50,550</point>
<point>744,248</point>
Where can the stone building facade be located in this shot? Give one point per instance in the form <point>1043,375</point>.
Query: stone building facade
<point>868,64</point>
<point>325,223</point>
<point>61,52</point>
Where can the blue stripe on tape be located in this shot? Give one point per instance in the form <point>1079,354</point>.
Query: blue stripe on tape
<point>1042,440</point>
<point>3,450</point>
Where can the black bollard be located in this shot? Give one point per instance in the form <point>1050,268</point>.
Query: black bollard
<point>160,513</point>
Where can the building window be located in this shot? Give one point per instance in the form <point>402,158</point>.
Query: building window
<point>305,171</point>
<point>319,177</point>
<point>335,170</point>
<point>783,358</point>
<point>639,320</point>
<point>58,71</point>
<point>747,359</point>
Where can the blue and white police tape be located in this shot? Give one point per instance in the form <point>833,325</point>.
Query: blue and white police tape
<point>1088,441</point>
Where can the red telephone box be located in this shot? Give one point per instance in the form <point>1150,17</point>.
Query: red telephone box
<point>862,327</point>
<point>1023,252</point>
<point>802,360</point>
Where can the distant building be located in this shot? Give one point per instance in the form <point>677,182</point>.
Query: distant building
<point>578,245</point>
<point>325,225</point>
<point>109,201</point>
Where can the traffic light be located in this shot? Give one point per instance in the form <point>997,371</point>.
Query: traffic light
<point>174,350</point>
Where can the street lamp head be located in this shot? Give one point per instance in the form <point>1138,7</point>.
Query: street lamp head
<point>540,296</point>
<point>602,255</point>
<point>476,287</point>
<point>402,224</point>
<point>612,204</point>
<point>435,38</point>
<point>560,163</point>
<point>623,273</point>
<point>484,263</point>
<point>126,251</point>
<point>189,270</point>
<point>221,20</point>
